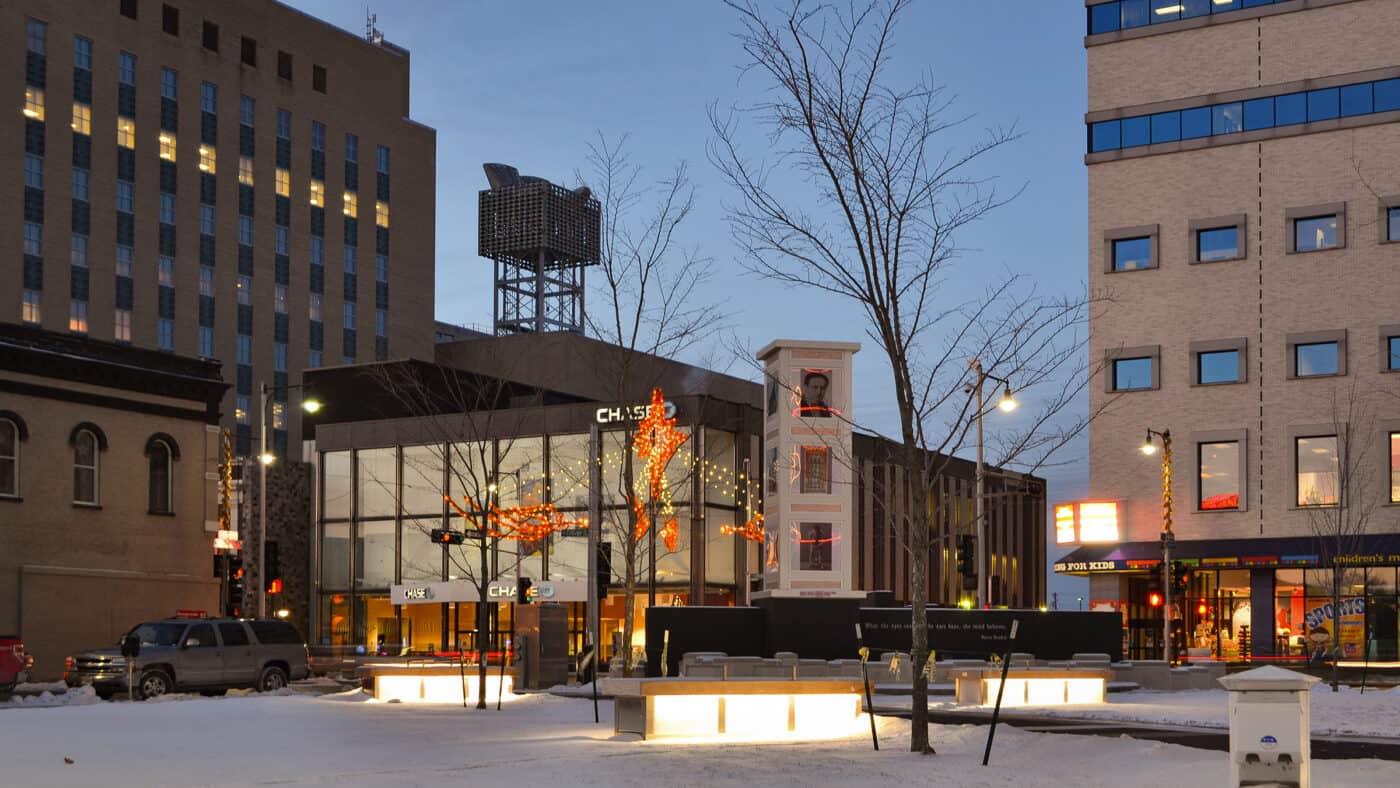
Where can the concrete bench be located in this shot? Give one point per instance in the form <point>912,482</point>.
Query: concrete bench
<point>434,683</point>
<point>736,709</point>
<point>1031,686</point>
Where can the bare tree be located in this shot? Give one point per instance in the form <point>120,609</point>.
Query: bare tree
<point>1335,483</point>
<point>874,221</point>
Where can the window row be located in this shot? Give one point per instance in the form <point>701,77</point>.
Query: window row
<point>88,444</point>
<point>1129,14</point>
<point>1318,469</point>
<point>1215,362</point>
<point>1234,117</point>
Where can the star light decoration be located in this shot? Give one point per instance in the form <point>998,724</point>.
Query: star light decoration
<point>656,441</point>
<point>520,523</point>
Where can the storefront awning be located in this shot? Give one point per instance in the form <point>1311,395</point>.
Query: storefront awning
<point>1294,551</point>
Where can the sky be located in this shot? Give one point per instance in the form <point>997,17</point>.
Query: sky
<point>530,83</point>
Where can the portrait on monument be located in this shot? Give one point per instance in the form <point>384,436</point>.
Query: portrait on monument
<point>816,469</point>
<point>814,394</point>
<point>814,547</point>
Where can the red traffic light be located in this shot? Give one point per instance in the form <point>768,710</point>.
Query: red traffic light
<point>275,587</point>
<point>1154,599</point>
<point>1201,609</point>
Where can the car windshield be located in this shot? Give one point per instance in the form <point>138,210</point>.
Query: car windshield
<point>158,634</point>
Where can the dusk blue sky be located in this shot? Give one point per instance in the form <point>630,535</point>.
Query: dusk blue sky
<point>529,83</point>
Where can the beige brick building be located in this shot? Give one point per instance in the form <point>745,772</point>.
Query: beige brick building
<point>233,180</point>
<point>108,489</point>
<point>1242,230</point>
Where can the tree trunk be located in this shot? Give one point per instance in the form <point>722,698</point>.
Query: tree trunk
<point>629,584</point>
<point>1336,620</point>
<point>483,625</point>
<point>918,572</point>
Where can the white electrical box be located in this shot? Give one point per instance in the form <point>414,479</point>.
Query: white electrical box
<point>1269,727</point>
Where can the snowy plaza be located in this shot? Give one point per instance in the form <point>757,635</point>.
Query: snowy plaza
<point>346,739</point>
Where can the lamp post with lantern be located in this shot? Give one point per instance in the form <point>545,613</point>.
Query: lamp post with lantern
<point>1149,447</point>
<point>1007,404</point>
<point>266,458</point>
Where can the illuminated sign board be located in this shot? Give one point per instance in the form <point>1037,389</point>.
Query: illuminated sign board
<point>629,413</point>
<point>1086,522</point>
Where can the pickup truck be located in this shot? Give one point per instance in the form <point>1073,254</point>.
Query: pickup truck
<point>15,665</point>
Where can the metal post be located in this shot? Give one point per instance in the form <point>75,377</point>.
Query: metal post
<point>595,535</point>
<point>651,553</point>
<point>981,527</point>
<point>262,500</point>
<point>1168,541</point>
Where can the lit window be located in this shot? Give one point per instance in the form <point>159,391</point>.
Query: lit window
<point>279,418</point>
<point>206,281</point>
<point>1316,469</point>
<point>169,84</point>
<point>1219,467</point>
<point>80,184</point>
<point>82,53</point>
<point>206,341</point>
<point>77,316</point>
<point>33,103</point>
<point>33,171</point>
<point>245,290</point>
<point>206,219</point>
<point>352,203</point>
<point>165,334</point>
<point>240,410</point>
<point>381,214</point>
<point>167,145</point>
<point>1132,374</point>
<point>245,170</point>
<point>279,299</point>
<point>383,160</point>
<point>283,183</point>
<point>314,307</point>
<point>208,98</point>
<point>125,190</point>
<point>167,208</point>
<point>82,118</point>
<point>1395,467</point>
<point>206,159</point>
<point>79,251</point>
<point>126,69</point>
<point>279,357</point>
<point>123,260</point>
<point>33,239</point>
<point>246,107</point>
<point>126,133</point>
<point>122,325</point>
<point>167,271</point>
<point>85,467</point>
<point>318,193</point>
<point>36,36</point>
<point>1315,233</point>
<point>30,313</point>
<point>245,349</point>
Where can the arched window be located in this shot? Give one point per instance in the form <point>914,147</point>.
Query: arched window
<point>9,457</point>
<point>85,466</point>
<point>161,467</point>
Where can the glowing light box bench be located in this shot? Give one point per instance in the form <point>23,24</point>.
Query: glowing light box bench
<point>1031,686</point>
<point>736,709</point>
<point>434,683</point>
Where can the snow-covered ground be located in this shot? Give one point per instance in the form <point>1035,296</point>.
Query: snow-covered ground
<point>541,740</point>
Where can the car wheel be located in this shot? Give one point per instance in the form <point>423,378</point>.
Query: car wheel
<point>105,694</point>
<point>272,679</point>
<point>153,684</point>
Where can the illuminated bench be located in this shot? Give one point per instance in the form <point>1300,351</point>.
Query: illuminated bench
<point>736,709</point>
<point>434,683</point>
<point>1031,686</point>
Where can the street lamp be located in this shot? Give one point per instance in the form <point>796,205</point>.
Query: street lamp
<point>1149,447</point>
<point>266,458</point>
<point>1006,405</point>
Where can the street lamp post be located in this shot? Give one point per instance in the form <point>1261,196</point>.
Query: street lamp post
<point>1168,538</point>
<point>1007,404</point>
<point>266,458</point>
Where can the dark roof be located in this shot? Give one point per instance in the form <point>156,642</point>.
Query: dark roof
<point>81,359</point>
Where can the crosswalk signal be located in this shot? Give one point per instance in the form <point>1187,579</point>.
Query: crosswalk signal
<point>967,556</point>
<point>524,590</point>
<point>235,587</point>
<point>447,536</point>
<point>1181,577</point>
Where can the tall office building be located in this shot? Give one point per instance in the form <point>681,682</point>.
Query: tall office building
<point>233,180</point>
<point>1244,165</point>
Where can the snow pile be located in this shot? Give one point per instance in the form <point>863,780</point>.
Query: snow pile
<point>79,696</point>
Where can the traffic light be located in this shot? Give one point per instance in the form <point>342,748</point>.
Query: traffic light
<point>1181,578</point>
<point>524,590</point>
<point>967,560</point>
<point>1154,598</point>
<point>235,586</point>
<point>274,570</point>
<point>448,536</point>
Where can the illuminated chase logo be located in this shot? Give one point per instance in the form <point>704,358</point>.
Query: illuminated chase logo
<point>630,413</point>
<point>418,593</point>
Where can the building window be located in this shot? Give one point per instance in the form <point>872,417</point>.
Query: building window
<point>170,19</point>
<point>128,8</point>
<point>248,51</point>
<point>283,183</point>
<point>1316,470</point>
<point>381,214</point>
<point>313,309</point>
<point>207,159</point>
<point>352,205</point>
<point>284,124</point>
<point>159,467</point>
<point>206,342</point>
<point>36,36</point>
<point>381,268</point>
<point>1390,349</point>
<point>167,146</point>
<point>245,230</point>
<point>279,299</point>
<point>284,65</point>
<point>33,103</point>
<point>123,260</point>
<point>1131,254</point>
<point>381,323</point>
<point>82,118</point>
<point>124,196</point>
<point>206,281</point>
<point>318,193</point>
<point>245,349</point>
<point>85,468</point>
<point>245,292</point>
<point>78,251</point>
<point>279,356</point>
<point>169,84</point>
<point>245,170</point>
<point>167,208</point>
<point>167,271</point>
<point>318,250</point>
<point>240,410</point>
<point>126,133</point>
<point>126,69</point>
<point>165,334</point>
<point>206,220</point>
<point>246,107</point>
<point>1214,244</point>
<point>77,316</point>
<point>33,171</point>
<point>30,312</point>
<point>80,184</point>
<point>351,258</point>
<point>318,136</point>
<point>33,239</point>
<point>211,36</point>
<point>1314,233</point>
<point>279,243</point>
<point>1133,374</point>
<point>208,98</point>
<point>1395,467</point>
<point>348,315</point>
<point>9,459</point>
<point>1392,224</point>
<point>318,78</point>
<point>1219,479</point>
<point>352,147</point>
<point>382,160</point>
<point>1317,353</point>
<point>121,325</point>
<point>313,359</point>
<point>82,53</point>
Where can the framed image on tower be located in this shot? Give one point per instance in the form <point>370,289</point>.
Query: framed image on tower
<point>814,400</point>
<point>814,543</point>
